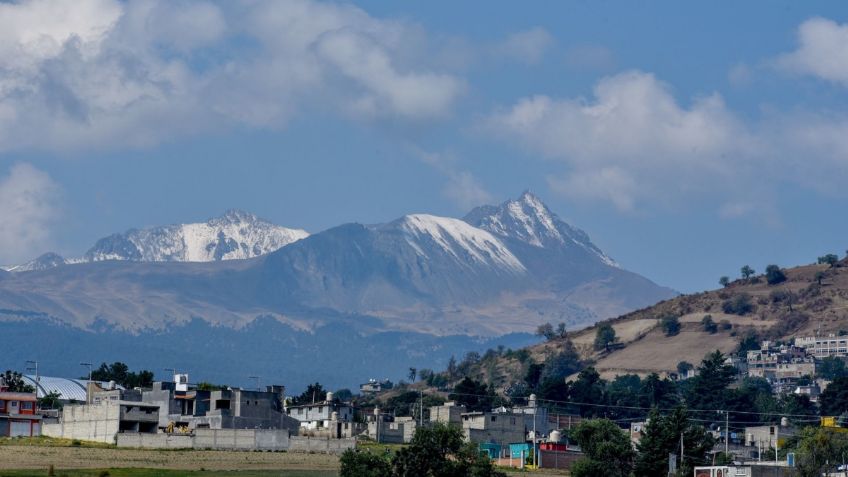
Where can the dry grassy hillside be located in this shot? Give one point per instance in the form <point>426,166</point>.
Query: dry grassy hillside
<point>814,298</point>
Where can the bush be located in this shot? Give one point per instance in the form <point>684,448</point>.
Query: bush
<point>363,464</point>
<point>724,325</point>
<point>670,325</point>
<point>774,275</point>
<point>605,336</point>
<point>708,324</point>
<point>738,305</point>
<point>829,259</point>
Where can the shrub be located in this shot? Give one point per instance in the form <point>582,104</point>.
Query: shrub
<point>708,324</point>
<point>738,305</point>
<point>724,325</point>
<point>670,325</point>
<point>774,275</point>
<point>829,259</point>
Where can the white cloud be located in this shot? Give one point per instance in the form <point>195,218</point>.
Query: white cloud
<point>526,46</point>
<point>630,136</point>
<point>108,74</point>
<point>28,207</point>
<point>637,147</point>
<point>822,51</point>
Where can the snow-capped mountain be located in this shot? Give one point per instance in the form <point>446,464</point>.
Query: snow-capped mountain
<point>234,235</point>
<point>528,219</point>
<point>502,269</point>
<point>459,240</point>
<point>43,262</point>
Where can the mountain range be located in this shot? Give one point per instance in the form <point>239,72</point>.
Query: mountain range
<point>499,271</point>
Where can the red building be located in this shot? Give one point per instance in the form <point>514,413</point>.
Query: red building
<point>18,415</point>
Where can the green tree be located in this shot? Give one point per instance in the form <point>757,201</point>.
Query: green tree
<point>355,463</point>
<point>747,272</point>
<point>708,324</point>
<point>50,401</point>
<point>546,331</point>
<point>833,401</point>
<point>553,389</point>
<point>819,277</point>
<point>563,364</point>
<point>740,304</point>
<point>607,450</point>
<point>724,281</point>
<point>313,393</point>
<point>683,368</point>
<point>440,451</point>
<point>819,450</point>
<point>663,435</point>
<point>14,381</point>
<point>670,325</point>
<point>829,259</point>
<point>708,389</point>
<point>831,368</point>
<point>474,395</point>
<point>656,392</point>
<point>413,373</point>
<point>605,336</point>
<point>587,389</point>
<point>561,331</point>
<point>774,275</point>
<point>121,374</point>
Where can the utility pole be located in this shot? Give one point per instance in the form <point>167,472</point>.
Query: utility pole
<point>421,408</point>
<point>88,386</point>
<point>681,450</point>
<point>726,432</point>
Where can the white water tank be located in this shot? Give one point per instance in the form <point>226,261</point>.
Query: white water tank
<point>334,416</point>
<point>556,436</point>
<point>531,401</point>
<point>784,422</point>
<point>329,397</point>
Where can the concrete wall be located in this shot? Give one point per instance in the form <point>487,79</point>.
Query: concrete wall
<point>88,423</point>
<point>219,439</point>
<point>154,441</point>
<point>315,444</point>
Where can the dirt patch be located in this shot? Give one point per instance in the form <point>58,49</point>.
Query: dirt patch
<point>657,353</point>
<point>35,457</point>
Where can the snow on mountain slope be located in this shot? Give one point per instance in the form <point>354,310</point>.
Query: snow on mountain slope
<point>529,220</point>
<point>235,235</point>
<point>458,239</point>
<point>43,262</point>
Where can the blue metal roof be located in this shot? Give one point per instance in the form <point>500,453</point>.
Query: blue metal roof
<point>68,389</point>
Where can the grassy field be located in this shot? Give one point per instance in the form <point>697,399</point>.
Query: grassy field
<point>166,473</point>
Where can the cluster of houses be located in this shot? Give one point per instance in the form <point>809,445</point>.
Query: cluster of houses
<point>793,368</point>
<point>176,414</point>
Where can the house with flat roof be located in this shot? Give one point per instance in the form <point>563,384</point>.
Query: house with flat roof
<point>18,417</point>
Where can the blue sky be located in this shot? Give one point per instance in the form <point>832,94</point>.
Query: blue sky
<point>687,140</point>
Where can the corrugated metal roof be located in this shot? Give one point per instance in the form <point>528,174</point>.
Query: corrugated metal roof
<point>68,389</point>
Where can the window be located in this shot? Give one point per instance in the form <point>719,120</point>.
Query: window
<point>26,406</point>
<point>2,405</point>
<point>494,418</point>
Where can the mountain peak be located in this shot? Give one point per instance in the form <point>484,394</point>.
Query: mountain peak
<point>529,220</point>
<point>237,216</point>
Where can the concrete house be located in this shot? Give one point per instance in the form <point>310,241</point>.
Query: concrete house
<point>18,416</point>
<point>321,415</point>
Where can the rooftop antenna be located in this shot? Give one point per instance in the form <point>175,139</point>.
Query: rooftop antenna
<point>34,367</point>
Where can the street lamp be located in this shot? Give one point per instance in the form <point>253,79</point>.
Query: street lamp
<point>88,387</point>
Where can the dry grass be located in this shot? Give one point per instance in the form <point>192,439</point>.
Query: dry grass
<point>40,457</point>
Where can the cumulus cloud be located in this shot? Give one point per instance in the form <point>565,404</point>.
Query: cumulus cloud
<point>28,207</point>
<point>822,51</point>
<point>104,73</point>
<point>633,129</point>
<point>634,145</point>
<point>589,57</point>
<point>526,46</point>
